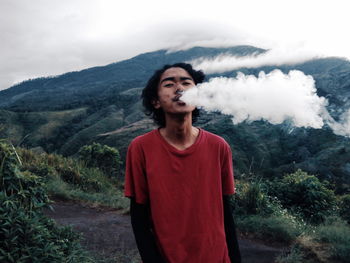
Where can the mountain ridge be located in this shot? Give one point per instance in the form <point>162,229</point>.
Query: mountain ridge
<point>112,77</point>
<point>102,104</point>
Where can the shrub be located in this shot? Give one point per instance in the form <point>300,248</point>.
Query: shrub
<point>344,207</point>
<point>71,171</point>
<point>106,158</point>
<point>70,179</point>
<point>252,198</point>
<point>306,195</point>
<point>26,235</point>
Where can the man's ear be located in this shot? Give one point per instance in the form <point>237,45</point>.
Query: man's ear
<point>156,104</point>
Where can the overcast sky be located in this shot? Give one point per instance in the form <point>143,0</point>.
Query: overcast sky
<point>50,37</point>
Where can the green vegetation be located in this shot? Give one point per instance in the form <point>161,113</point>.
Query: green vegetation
<point>103,157</point>
<point>297,209</point>
<point>70,179</point>
<point>344,206</point>
<point>293,256</point>
<point>263,215</point>
<point>26,235</point>
<point>336,233</point>
<point>328,242</point>
<point>267,209</point>
<point>101,106</point>
<point>62,114</point>
<point>274,228</point>
<point>305,194</point>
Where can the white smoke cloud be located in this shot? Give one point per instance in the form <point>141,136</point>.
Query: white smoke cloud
<point>276,57</point>
<point>343,126</point>
<point>274,97</point>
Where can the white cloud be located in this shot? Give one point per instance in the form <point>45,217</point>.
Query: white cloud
<point>276,57</point>
<point>343,126</point>
<point>41,37</point>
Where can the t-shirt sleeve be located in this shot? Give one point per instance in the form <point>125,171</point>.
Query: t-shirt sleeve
<point>135,175</point>
<point>228,185</point>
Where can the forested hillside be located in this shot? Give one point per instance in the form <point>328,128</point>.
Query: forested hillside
<point>102,104</point>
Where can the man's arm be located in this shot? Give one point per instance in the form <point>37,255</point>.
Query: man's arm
<point>145,240</point>
<point>230,230</point>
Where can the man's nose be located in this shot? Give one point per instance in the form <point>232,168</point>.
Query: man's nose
<point>179,87</point>
<point>179,91</point>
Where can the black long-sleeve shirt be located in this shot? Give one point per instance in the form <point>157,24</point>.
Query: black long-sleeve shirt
<point>146,241</point>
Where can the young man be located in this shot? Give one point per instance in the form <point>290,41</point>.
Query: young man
<point>180,179</point>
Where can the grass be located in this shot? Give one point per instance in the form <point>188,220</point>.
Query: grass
<point>273,227</point>
<point>58,189</point>
<point>263,217</point>
<point>295,255</point>
<point>328,242</point>
<point>70,179</point>
<point>336,234</point>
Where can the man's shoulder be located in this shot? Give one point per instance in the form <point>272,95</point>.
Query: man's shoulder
<point>214,138</point>
<point>144,138</point>
<point>216,142</point>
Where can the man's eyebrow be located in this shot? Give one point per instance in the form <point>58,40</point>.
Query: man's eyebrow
<point>186,78</point>
<point>173,79</point>
<point>168,79</point>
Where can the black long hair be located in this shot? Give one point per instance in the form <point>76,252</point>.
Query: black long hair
<point>150,92</point>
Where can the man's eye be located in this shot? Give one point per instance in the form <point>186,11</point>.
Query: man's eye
<point>168,85</point>
<point>187,83</point>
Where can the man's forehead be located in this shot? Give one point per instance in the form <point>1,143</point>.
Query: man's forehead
<point>175,73</point>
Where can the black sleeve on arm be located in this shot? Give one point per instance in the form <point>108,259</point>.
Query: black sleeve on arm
<point>145,240</point>
<point>230,230</point>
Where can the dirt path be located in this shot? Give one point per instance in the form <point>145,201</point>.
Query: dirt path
<point>108,234</point>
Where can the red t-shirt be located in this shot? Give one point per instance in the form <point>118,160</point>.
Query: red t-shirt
<point>184,189</point>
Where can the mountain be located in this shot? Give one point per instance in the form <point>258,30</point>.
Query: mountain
<point>60,114</point>
<point>92,85</point>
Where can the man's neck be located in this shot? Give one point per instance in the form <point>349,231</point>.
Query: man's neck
<point>179,132</point>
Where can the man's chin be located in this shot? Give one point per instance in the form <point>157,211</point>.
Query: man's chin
<point>182,111</point>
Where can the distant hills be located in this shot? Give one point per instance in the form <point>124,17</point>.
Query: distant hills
<point>60,114</point>
<point>75,89</point>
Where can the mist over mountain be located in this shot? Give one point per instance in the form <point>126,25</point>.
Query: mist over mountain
<point>62,113</point>
<point>79,88</point>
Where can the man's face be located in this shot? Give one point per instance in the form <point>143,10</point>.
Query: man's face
<point>173,81</point>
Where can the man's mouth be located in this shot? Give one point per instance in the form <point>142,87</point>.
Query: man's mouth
<point>177,98</point>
